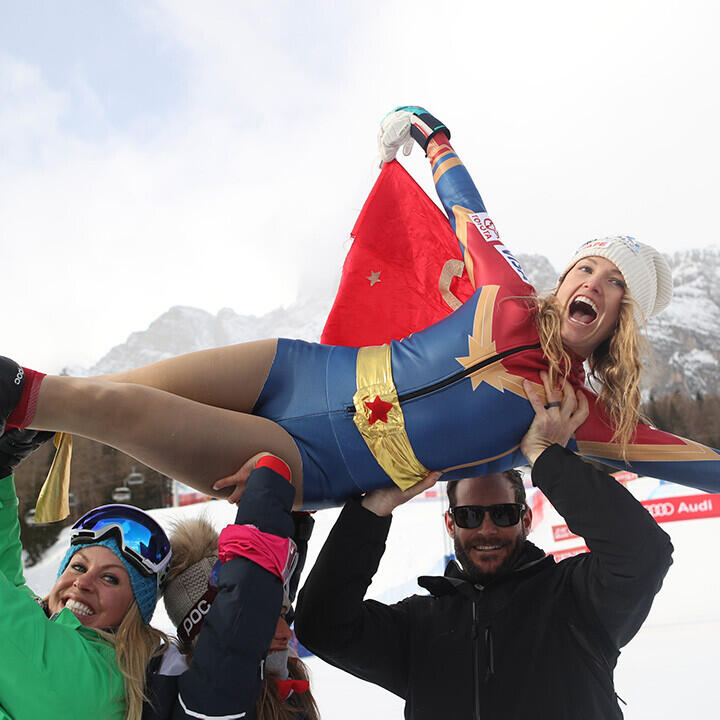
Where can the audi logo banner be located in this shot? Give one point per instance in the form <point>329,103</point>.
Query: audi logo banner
<point>670,509</point>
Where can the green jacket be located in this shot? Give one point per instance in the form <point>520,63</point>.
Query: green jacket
<point>48,668</point>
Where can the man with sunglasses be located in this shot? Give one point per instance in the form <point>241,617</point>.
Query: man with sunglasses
<point>507,632</point>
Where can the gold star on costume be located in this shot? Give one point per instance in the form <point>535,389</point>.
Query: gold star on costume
<point>387,440</point>
<point>53,501</point>
<point>481,346</point>
<point>374,277</point>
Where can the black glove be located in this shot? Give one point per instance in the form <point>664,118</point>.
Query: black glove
<point>16,445</point>
<point>304,523</point>
<point>12,378</point>
<point>424,126</point>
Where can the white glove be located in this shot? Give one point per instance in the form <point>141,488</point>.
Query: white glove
<point>394,133</point>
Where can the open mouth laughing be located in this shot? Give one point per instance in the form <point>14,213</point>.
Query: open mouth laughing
<point>583,310</point>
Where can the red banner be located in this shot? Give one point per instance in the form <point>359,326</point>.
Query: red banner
<point>569,552</point>
<point>688,507</point>
<point>192,498</point>
<point>624,476</point>
<point>562,532</point>
<point>669,509</point>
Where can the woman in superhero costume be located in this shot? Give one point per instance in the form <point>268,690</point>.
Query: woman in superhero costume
<point>449,397</point>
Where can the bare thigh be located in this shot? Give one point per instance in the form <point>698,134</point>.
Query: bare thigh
<point>228,377</point>
<point>194,442</point>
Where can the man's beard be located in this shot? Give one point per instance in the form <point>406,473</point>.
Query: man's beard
<point>476,575</point>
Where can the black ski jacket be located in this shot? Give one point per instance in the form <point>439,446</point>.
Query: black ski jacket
<point>225,676</point>
<point>541,642</point>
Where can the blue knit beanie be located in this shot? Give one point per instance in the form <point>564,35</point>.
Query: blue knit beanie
<point>144,588</point>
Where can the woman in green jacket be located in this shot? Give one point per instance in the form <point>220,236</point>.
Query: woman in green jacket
<point>82,651</point>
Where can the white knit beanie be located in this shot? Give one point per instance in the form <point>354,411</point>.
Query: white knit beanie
<point>646,272</point>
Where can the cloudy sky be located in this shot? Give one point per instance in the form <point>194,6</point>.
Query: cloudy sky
<point>169,152</point>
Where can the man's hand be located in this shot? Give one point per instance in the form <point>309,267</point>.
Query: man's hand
<point>555,424</point>
<point>383,501</point>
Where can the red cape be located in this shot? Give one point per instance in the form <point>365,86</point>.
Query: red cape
<point>390,280</point>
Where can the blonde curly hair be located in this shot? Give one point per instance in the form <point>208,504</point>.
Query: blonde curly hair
<point>615,364</point>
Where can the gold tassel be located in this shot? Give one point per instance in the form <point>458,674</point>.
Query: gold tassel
<point>53,502</point>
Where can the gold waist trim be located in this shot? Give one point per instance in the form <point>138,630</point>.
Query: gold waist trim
<point>380,419</point>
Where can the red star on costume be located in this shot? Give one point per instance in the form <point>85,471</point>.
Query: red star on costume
<point>379,410</point>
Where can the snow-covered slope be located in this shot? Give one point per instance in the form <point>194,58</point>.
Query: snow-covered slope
<point>667,672</point>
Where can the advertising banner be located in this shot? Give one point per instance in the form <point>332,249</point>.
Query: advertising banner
<point>669,509</point>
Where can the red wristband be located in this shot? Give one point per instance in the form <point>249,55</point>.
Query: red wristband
<point>24,412</point>
<point>276,465</point>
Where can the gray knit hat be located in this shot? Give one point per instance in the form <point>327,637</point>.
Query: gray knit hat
<point>188,595</point>
<point>195,551</point>
<point>644,269</point>
<point>184,591</point>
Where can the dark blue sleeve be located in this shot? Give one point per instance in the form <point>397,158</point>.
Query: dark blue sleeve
<point>224,677</point>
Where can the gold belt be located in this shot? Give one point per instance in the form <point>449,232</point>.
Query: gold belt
<point>380,419</point>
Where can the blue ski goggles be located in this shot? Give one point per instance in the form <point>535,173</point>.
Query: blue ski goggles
<point>141,540</point>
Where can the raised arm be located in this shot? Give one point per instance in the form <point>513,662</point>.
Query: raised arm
<point>630,554</point>
<point>616,582</point>
<point>15,446</point>
<point>452,180</point>
<point>34,652</point>
<point>225,676</point>
<point>364,637</point>
<point>487,260</point>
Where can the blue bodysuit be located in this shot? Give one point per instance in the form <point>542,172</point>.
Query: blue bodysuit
<point>449,397</point>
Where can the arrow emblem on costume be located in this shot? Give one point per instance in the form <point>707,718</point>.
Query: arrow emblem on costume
<point>481,346</point>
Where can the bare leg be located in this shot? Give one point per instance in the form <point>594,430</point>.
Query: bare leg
<point>184,439</point>
<point>228,377</point>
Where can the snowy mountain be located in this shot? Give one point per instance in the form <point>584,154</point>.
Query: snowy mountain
<point>685,339</point>
<point>186,329</point>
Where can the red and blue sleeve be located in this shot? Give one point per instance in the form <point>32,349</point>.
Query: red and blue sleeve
<point>651,452</point>
<point>487,260</point>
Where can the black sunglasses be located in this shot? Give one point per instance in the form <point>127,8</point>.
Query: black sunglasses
<point>503,514</point>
